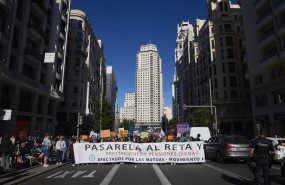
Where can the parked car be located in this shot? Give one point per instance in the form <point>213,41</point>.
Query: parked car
<point>279,147</point>
<point>283,167</point>
<point>227,147</point>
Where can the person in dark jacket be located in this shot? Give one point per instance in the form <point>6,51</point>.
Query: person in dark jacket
<point>5,152</point>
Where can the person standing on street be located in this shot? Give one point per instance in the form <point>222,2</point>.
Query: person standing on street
<point>198,137</point>
<point>65,149</point>
<point>262,150</point>
<point>47,149</point>
<point>60,146</point>
<point>5,152</point>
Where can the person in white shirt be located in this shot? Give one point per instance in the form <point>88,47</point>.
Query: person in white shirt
<point>60,146</point>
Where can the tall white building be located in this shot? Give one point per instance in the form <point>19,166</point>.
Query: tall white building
<point>149,86</point>
<point>128,111</point>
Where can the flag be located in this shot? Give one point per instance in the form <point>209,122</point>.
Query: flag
<point>140,129</point>
<point>92,133</point>
<point>130,133</point>
<point>161,134</point>
<point>99,135</point>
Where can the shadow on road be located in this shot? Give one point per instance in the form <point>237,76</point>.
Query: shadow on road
<point>15,176</point>
<point>276,179</point>
<point>233,180</point>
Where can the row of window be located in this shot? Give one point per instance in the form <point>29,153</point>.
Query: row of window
<point>278,97</point>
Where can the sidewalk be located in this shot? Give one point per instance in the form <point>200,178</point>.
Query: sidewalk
<point>26,174</point>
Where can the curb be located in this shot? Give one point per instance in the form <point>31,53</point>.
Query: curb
<point>38,174</point>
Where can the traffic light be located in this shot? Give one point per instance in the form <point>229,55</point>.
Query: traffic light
<point>81,120</point>
<point>184,106</point>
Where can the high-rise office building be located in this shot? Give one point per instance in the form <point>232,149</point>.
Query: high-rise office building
<point>84,74</point>
<point>149,87</point>
<point>30,88</point>
<point>264,31</point>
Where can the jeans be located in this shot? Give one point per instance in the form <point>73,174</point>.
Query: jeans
<point>264,165</point>
<point>64,154</point>
<point>59,156</point>
<point>5,160</point>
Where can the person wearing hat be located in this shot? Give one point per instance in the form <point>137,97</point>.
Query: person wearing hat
<point>262,150</point>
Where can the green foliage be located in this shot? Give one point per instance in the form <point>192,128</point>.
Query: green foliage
<point>172,122</point>
<point>108,115</point>
<point>201,118</point>
<point>126,124</point>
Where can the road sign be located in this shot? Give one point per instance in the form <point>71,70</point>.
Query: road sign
<point>49,58</point>
<point>5,114</point>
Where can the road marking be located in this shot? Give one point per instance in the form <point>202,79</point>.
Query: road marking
<point>161,176</point>
<point>227,172</point>
<point>63,175</point>
<point>110,175</point>
<point>53,175</point>
<point>78,173</point>
<point>91,175</point>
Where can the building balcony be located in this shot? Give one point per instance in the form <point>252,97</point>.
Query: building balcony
<point>266,38</point>
<point>243,42</point>
<point>65,1</point>
<point>245,60</point>
<point>61,35</point>
<point>281,29</point>
<point>39,7</point>
<point>265,18</point>
<point>7,4</point>
<point>279,7</point>
<point>36,30</point>
<point>33,55</point>
<point>63,17</point>
<point>258,4</point>
<point>269,59</point>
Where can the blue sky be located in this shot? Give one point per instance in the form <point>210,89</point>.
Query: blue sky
<point>125,25</point>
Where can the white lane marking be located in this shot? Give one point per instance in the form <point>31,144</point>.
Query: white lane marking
<point>227,172</point>
<point>91,175</point>
<point>161,176</point>
<point>275,168</point>
<point>110,175</point>
<point>53,175</point>
<point>63,175</point>
<point>78,173</point>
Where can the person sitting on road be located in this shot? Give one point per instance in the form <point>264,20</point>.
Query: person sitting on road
<point>198,137</point>
<point>25,157</point>
<point>36,153</point>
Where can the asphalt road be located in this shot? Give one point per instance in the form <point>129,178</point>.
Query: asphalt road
<point>210,172</point>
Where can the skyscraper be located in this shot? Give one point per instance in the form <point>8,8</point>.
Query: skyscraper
<point>149,86</point>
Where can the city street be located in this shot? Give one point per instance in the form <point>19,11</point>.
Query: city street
<point>209,173</point>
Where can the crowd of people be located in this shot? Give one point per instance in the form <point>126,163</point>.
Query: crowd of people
<point>26,151</point>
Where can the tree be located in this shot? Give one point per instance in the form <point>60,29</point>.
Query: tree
<point>126,124</point>
<point>172,122</point>
<point>108,116</point>
<point>201,118</point>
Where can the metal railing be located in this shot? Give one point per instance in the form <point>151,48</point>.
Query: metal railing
<point>269,11</point>
<point>33,52</point>
<point>269,56</point>
<point>263,37</point>
<point>37,27</point>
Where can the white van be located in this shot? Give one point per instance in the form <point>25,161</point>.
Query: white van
<point>194,131</point>
<point>279,147</point>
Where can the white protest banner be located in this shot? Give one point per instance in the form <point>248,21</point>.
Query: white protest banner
<point>113,152</point>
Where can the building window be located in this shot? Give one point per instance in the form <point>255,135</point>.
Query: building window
<point>258,80</point>
<point>221,41</point>
<point>223,67</point>
<point>234,94</point>
<point>75,89</point>
<point>77,62</point>
<point>216,95</point>
<point>225,81</point>
<point>232,67</point>
<point>230,54</point>
<point>227,27</point>
<point>79,24</point>
<point>261,100</point>
<point>225,94</point>
<point>213,44</point>
<point>226,6</point>
<point>29,71</point>
<point>276,73</point>
<point>25,102</point>
<point>214,56</point>
<point>229,41</point>
<point>216,83</point>
<point>215,70</point>
<point>279,97</point>
<point>233,81</point>
<point>76,74</point>
<point>74,103</point>
<point>221,6</point>
<point>222,54</point>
